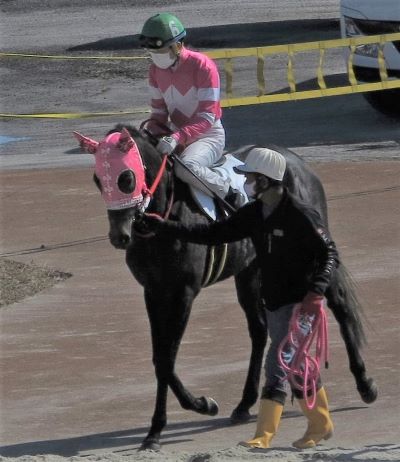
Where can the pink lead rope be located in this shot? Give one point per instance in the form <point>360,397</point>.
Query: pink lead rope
<point>295,351</point>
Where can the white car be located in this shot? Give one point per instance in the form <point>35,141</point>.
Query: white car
<point>374,17</point>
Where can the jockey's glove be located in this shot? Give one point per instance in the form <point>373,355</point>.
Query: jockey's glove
<point>312,303</point>
<point>167,145</point>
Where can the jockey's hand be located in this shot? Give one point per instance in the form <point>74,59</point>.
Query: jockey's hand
<point>312,304</point>
<point>152,221</point>
<point>167,145</point>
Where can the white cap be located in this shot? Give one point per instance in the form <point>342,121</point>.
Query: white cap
<point>265,161</point>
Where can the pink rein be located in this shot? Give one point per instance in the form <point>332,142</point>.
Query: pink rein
<point>148,193</point>
<point>303,369</point>
<point>158,177</point>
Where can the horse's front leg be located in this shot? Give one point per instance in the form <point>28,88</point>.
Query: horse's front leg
<point>168,319</point>
<point>343,302</point>
<point>181,305</point>
<point>203,405</point>
<point>163,362</point>
<point>159,420</point>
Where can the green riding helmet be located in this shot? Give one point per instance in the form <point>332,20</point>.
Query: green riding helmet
<point>161,30</point>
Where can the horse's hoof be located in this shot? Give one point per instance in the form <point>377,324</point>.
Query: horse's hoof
<point>240,417</point>
<point>150,444</point>
<point>210,406</point>
<point>369,392</point>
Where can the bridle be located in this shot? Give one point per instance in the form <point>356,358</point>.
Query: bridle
<point>152,139</point>
<point>148,193</point>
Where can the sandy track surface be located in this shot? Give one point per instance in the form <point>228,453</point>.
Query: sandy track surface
<point>77,378</point>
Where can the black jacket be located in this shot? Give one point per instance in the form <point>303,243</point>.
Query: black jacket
<point>294,249</point>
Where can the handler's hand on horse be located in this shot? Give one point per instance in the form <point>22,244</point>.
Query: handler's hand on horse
<point>312,303</point>
<point>167,145</point>
<point>152,221</point>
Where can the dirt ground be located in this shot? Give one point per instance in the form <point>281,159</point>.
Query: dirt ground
<point>76,358</point>
<point>19,280</point>
<point>77,377</point>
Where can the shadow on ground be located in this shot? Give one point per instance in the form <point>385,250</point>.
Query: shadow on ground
<point>174,433</point>
<point>340,120</point>
<point>236,35</point>
<point>68,447</point>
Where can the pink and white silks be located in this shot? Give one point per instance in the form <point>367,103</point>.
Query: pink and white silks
<point>187,94</point>
<point>186,97</point>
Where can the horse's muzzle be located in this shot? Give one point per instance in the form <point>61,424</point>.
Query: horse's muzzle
<point>120,234</point>
<point>120,241</point>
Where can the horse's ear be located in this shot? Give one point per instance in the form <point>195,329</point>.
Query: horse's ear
<point>86,143</point>
<point>126,142</point>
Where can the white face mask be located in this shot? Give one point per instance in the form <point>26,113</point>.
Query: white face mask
<point>250,189</point>
<point>162,60</point>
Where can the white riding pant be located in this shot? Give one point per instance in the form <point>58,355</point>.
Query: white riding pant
<point>200,156</point>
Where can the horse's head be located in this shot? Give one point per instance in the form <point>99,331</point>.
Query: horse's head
<point>120,177</point>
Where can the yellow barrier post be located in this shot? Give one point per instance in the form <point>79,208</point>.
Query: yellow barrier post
<point>290,72</point>
<point>381,61</point>
<point>260,53</point>
<point>260,73</point>
<point>320,72</point>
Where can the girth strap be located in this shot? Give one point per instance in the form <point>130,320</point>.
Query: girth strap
<point>215,265</point>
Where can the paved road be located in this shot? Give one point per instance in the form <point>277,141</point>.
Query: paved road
<point>47,25</point>
<point>37,86</point>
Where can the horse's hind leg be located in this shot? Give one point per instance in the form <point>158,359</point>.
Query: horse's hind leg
<point>248,291</point>
<point>343,302</point>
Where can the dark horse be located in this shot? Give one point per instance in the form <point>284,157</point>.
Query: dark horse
<point>172,273</point>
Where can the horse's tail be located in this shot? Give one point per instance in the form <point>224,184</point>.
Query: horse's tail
<point>343,301</point>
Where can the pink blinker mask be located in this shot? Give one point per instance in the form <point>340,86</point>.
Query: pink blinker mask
<point>116,154</point>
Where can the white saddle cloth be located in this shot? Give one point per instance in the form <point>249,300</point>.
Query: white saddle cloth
<point>206,202</point>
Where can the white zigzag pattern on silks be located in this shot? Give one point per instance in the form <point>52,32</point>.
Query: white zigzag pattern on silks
<point>187,103</point>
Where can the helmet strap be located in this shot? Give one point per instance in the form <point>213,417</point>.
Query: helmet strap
<point>177,48</point>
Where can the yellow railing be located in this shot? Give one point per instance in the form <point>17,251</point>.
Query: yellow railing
<point>228,55</point>
<point>261,52</point>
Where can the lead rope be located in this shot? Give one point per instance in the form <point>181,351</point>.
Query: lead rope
<point>295,351</point>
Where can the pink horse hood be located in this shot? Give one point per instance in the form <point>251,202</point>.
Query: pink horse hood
<point>116,154</point>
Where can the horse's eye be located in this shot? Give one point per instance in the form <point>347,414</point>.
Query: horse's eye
<point>97,182</point>
<point>127,182</point>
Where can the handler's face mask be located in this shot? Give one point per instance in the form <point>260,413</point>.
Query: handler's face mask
<point>163,60</point>
<point>250,189</point>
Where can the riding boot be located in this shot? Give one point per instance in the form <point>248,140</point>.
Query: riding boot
<point>320,425</point>
<point>268,420</point>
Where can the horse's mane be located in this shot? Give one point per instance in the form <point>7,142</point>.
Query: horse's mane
<point>132,130</point>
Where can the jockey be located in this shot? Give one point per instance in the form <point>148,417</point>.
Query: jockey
<point>185,94</point>
<point>297,259</point>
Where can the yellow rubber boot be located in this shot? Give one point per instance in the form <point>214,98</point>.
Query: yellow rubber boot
<point>320,425</point>
<point>269,416</point>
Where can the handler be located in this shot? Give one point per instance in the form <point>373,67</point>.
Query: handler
<point>185,95</point>
<point>297,259</point>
